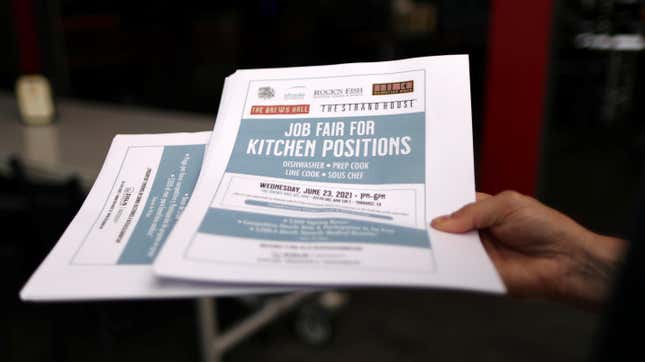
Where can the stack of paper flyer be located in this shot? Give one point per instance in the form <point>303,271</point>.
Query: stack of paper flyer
<point>312,177</point>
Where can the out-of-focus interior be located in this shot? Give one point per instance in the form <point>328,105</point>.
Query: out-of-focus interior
<point>556,114</point>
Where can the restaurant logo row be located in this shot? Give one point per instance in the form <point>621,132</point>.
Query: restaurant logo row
<point>300,92</point>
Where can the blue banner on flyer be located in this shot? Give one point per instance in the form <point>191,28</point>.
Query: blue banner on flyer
<point>173,185</point>
<point>384,149</point>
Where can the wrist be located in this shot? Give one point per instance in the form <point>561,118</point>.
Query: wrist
<point>591,270</point>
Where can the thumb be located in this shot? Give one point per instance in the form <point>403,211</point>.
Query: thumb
<point>481,214</point>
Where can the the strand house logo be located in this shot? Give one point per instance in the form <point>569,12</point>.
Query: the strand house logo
<point>281,109</point>
<point>381,89</point>
<point>368,106</point>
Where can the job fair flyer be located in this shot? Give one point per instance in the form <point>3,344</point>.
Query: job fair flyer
<point>330,175</point>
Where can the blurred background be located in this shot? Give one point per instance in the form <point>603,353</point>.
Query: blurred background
<point>556,114</point>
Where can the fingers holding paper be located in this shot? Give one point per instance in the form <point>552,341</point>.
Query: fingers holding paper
<point>538,251</point>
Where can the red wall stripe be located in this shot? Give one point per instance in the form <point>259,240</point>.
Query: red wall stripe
<point>518,54</point>
<point>24,16</point>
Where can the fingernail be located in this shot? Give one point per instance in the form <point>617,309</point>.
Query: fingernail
<point>440,220</point>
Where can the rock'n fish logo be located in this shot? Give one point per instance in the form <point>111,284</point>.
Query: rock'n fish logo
<point>266,93</point>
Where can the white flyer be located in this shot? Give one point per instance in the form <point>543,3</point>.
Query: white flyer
<point>330,175</point>
<point>107,250</point>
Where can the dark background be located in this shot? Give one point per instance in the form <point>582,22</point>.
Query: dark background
<point>175,55</point>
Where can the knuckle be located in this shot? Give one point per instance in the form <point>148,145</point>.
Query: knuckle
<point>512,197</point>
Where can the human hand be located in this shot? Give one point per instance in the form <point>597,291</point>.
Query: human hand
<point>538,251</point>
